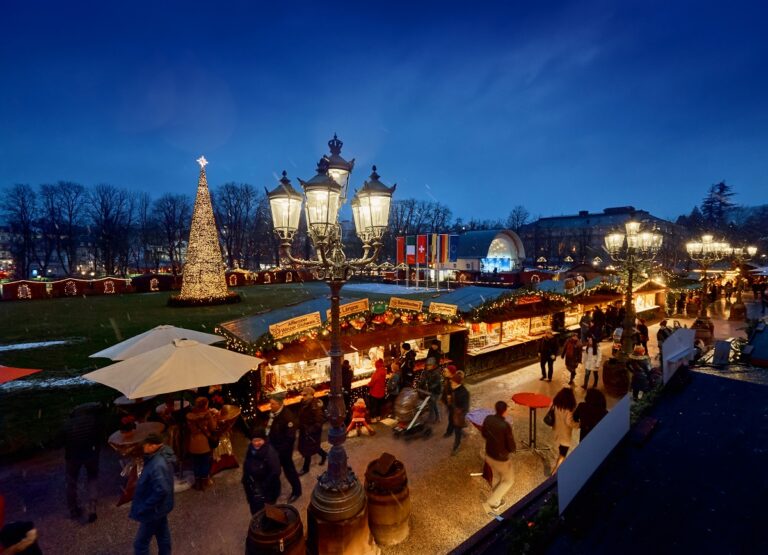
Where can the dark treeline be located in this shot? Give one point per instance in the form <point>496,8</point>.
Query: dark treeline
<point>69,229</point>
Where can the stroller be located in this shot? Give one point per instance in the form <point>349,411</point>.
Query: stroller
<point>412,413</point>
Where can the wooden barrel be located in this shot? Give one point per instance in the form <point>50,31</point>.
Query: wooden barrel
<point>267,537</point>
<point>389,501</point>
<point>615,377</point>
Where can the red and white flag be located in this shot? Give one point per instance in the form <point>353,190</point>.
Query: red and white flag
<point>421,249</point>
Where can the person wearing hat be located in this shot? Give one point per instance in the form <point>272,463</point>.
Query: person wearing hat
<point>458,401</point>
<point>153,498</point>
<point>281,432</point>
<point>639,366</point>
<point>311,419</point>
<point>261,472</point>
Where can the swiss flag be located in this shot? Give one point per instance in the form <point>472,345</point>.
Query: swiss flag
<point>421,249</point>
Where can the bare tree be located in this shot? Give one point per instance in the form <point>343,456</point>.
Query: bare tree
<point>174,215</point>
<point>47,227</point>
<point>109,211</point>
<point>20,210</point>
<point>71,199</point>
<point>235,205</point>
<point>517,218</point>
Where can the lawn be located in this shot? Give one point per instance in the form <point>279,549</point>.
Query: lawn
<point>31,418</point>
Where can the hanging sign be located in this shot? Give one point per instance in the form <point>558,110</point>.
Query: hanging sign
<point>528,299</point>
<point>405,304</point>
<point>295,325</point>
<point>443,309</point>
<point>349,309</point>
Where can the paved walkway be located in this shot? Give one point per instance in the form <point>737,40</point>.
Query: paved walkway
<point>446,500</point>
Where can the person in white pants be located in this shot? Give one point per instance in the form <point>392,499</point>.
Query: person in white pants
<point>499,445</point>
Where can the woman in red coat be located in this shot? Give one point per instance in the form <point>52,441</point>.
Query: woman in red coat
<point>377,390</point>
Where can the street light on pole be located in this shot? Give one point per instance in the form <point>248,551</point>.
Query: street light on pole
<point>740,255</point>
<point>632,249</point>
<point>706,252</point>
<point>338,495</point>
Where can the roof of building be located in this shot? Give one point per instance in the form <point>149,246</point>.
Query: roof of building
<point>613,217</point>
<point>475,244</point>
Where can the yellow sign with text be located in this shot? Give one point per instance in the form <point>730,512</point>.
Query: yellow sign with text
<point>295,325</point>
<point>443,309</point>
<point>349,309</point>
<point>405,304</point>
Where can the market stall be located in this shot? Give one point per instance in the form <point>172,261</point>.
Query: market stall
<point>296,343</point>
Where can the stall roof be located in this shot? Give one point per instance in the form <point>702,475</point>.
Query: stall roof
<point>314,349</point>
<point>553,286</point>
<point>467,298</point>
<point>250,328</point>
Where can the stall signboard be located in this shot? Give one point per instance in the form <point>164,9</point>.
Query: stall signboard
<point>349,308</point>
<point>527,299</point>
<point>405,304</point>
<point>443,309</point>
<point>295,325</point>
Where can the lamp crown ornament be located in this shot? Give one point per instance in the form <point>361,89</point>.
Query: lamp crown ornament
<point>335,145</point>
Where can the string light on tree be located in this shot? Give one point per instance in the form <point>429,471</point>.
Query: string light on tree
<point>204,278</point>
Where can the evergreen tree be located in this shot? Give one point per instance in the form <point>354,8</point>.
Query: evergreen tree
<point>715,205</point>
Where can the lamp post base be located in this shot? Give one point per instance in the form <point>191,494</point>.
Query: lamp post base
<point>337,521</point>
<point>705,329</point>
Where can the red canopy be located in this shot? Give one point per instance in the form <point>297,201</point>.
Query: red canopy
<point>8,374</point>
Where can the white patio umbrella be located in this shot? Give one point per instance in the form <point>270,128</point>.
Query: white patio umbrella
<point>152,339</point>
<point>179,365</point>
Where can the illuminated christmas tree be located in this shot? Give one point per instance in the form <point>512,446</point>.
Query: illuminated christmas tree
<point>204,279</point>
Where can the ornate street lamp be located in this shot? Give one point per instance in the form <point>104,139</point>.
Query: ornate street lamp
<point>632,249</point>
<point>338,168</point>
<point>706,252</point>
<point>740,255</point>
<point>338,495</point>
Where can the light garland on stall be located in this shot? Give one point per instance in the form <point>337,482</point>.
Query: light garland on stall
<point>504,305</point>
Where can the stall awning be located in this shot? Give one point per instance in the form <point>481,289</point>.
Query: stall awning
<point>314,349</point>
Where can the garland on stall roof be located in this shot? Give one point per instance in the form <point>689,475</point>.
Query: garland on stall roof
<point>352,324</point>
<point>505,304</point>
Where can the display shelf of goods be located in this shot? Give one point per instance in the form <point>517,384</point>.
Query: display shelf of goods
<point>516,329</point>
<point>477,342</point>
<point>540,324</point>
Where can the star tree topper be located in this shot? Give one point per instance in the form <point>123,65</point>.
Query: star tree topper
<point>202,161</point>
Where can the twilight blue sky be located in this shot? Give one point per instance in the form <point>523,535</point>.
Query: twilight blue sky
<point>558,106</point>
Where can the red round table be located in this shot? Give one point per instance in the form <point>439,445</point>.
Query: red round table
<point>533,401</point>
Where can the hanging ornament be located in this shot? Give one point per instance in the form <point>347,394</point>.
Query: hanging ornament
<point>279,346</point>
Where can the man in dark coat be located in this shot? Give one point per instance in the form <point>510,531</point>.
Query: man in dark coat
<point>84,434</point>
<point>407,365</point>
<point>499,444</point>
<point>261,472</point>
<point>281,431</point>
<point>547,355</point>
<point>311,421</point>
<point>153,499</point>
<point>458,398</point>
<point>598,324</point>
